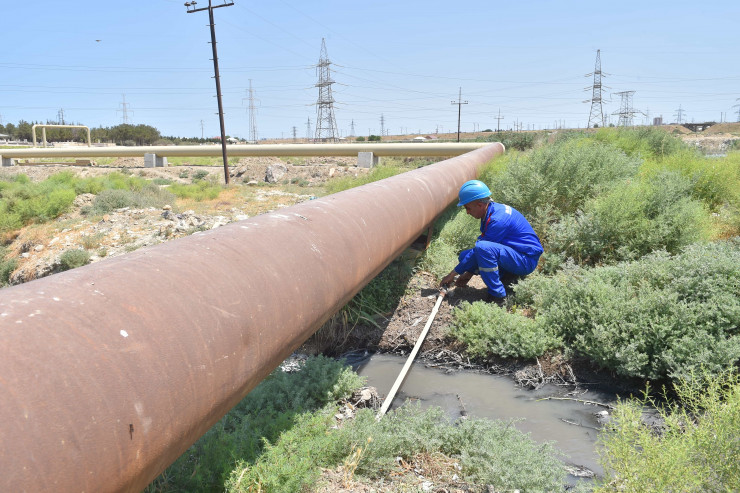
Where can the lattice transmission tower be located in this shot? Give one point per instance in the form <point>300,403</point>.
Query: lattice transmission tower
<point>326,125</point>
<point>626,111</point>
<point>252,115</point>
<point>596,117</point>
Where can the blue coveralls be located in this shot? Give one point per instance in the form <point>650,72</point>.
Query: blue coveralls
<point>507,244</point>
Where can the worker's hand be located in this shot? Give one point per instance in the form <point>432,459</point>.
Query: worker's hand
<point>447,280</point>
<point>462,281</point>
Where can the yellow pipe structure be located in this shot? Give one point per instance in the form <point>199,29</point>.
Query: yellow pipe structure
<point>395,149</point>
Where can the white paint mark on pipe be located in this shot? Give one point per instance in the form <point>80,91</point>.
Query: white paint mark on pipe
<point>124,333</point>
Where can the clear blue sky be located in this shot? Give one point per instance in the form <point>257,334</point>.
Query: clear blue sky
<point>404,60</point>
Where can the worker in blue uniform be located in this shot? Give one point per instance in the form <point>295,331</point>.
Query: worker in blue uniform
<point>507,248</point>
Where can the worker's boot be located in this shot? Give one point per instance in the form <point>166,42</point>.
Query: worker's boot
<point>496,300</point>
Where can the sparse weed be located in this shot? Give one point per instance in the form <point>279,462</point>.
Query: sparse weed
<point>71,259</point>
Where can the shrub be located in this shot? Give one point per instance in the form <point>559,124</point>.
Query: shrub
<point>489,452</point>
<point>520,141</point>
<point>7,266</point>
<point>487,330</point>
<point>71,259</point>
<point>148,196</point>
<point>660,317</point>
<point>628,222</point>
<point>559,179</point>
<point>697,449</point>
<point>199,175</point>
<point>272,409</point>
<point>644,142</point>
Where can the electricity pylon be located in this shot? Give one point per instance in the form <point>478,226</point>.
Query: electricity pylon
<point>326,125</point>
<point>626,111</point>
<point>596,117</point>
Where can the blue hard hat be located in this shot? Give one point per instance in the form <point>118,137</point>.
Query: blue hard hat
<point>473,190</point>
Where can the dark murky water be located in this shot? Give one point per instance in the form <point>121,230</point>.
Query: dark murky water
<point>491,396</point>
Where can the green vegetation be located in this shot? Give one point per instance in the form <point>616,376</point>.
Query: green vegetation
<point>23,202</point>
<point>662,316</point>
<point>625,217</point>
<point>199,191</point>
<point>488,330</point>
<point>283,432</point>
<point>7,266</point>
<point>696,450</point>
<point>377,173</point>
<point>520,141</point>
<point>72,259</point>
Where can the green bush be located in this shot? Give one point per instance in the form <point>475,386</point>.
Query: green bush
<point>149,195</point>
<point>697,449</point>
<point>7,266</point>
<point>628,222</point>
<point>520,141</point>
<point>644,142</point>
<point>660,317</point>
<point>71,259</point>
<point>489,452</point>
<point>488,330</point>
<point>271,410</point>
<point>559,179</point>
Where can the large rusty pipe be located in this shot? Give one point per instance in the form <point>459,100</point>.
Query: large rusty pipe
<point>111,371</point>
<point>438,149</point>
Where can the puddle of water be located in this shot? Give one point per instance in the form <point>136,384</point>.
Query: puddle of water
<point>497,397</point>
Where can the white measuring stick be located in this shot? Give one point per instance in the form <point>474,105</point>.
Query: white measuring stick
<point>410,360</point>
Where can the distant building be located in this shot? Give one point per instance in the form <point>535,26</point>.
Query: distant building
<point>658,120</point>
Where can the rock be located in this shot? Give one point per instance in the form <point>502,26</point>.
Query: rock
<point>252,182</point>
<point>106,218</point>
<point>275,172</point>
<point>25,254</point>
<point>241,217</point>
<point>167,208</point>
<point>39,248</point>
<point>84,199</point>
<point>332,171</point>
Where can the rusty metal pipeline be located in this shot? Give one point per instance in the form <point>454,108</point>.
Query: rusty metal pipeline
<point>109,372</point>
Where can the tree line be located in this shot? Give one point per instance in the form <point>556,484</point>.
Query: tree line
<point>124,134</point>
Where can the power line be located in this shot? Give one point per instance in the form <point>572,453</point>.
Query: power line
<point>191,9</point>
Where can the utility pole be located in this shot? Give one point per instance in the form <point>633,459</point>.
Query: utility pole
<point>382,125</point>
<point>498,120</point>
<point>353,128</point>
<point>60,116</point>
<point>202,129</point>
<point>295,130</point>
<point>596,117</point>
<point>326,125</point>
<point>459,104</point>
<point>191,8</point>
<point>308,129</point>
<point>738,110</point>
